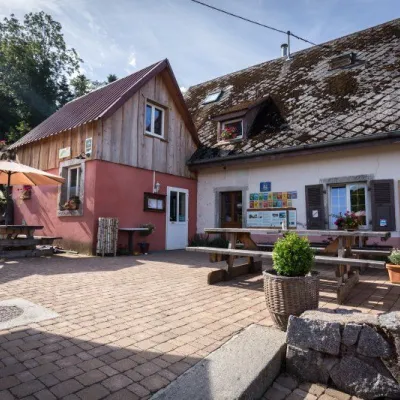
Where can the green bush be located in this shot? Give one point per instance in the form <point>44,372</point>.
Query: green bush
<point>219,242</point>
<point>394,257</point>
<point>199,240</point>
<point>292,256</point>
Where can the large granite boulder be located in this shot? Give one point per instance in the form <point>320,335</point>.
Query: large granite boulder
<point>359,353</point>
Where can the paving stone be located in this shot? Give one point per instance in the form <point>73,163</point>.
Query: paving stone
<point>154,382</point>
<point>65,388</point>
<point>275,394</point>
<point>108,370</point>
<point>135,376</point>
<point>117,382</point>
<point>123,394</point>
<point>139,390</point>
<point>326,397</point>
<point>287,381</point>
<point>68,373</point>
<point>179,368</point>
<point>27,388</point>
<point>44,369</point>
<point>11,369</point>
<point>147,369</point>
<point>8,382</point>
<point>313,388</point>
<point>24,376</point>
<point>304,395</point>
<point>6,395</point>
<point>91,377</point>
<point>90,364</point>
<point>337,394</point>
<point>123,365</point>
<point>68,361</point>
<point>49,380</point>
<point>45,394</point>
<point>93,392</point>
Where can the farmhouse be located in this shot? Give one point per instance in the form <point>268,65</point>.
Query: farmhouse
<point>303,138</point>
<point>122,150</point>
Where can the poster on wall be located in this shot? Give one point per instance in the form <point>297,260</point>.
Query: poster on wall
<point>272,199</point>
<point>265,186</point>
<point>271,218</point>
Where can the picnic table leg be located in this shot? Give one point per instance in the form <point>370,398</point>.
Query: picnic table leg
<point>232,237</point>
<point>130,242</point>
<point>346,279</point>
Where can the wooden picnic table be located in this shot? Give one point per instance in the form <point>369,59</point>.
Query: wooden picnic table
<point>341,246</point>
<point>131,232</point>
<point>12,231</point>
<point>18,240</point>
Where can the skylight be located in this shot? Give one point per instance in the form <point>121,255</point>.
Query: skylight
<point>212,97</point>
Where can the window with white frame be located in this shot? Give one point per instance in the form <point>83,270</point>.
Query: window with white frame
<point>73,182</point>
<point>231,129</point>
<point>351,197</point>
<point>154,120</point>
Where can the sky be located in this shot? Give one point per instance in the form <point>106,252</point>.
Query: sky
<point>123,36</point>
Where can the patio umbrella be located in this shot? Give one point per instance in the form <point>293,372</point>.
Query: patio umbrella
<point>13,173</point>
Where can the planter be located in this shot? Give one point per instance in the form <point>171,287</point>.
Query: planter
<point>144,247</point>
<point>394,272</point>
<point>287,296</point>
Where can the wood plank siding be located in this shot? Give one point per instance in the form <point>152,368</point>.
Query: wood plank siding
<point>121,137</point>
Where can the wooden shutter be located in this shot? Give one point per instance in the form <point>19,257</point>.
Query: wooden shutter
<point>315,211</point>
<point>382,205</point>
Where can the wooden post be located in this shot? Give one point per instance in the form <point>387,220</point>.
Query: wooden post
<point>232,237</point>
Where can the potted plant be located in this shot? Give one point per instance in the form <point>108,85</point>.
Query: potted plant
<point>229,133</point>
<point>394,267</point>
<point>26,192</point>
<point>291,287</point>
<point>144,246</point>
<point>221,243</point>
<point>72,204</point>
<point>349,220</point>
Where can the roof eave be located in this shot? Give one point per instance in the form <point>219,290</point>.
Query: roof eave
<point>382,138</point>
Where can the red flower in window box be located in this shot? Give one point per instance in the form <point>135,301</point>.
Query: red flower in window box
<point>349,220</point>
<point>229,133</point>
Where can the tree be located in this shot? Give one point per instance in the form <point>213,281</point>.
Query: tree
<point>64,92</point>
<point>81,85</point>
<point>111,78</point>
<point>33,61</point>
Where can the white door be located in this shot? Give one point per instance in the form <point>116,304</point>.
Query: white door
<point>177,218</point>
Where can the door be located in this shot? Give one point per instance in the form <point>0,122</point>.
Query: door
<point>177,218</point>
<point>231,209</point>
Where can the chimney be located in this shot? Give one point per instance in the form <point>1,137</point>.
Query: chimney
<point>284,50</point>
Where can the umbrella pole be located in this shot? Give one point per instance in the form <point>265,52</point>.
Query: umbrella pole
<point>10,206</point>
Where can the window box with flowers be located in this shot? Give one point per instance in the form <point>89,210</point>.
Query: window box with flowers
<point>231,131</point>
<point>349,220</point>
<point>26,192</point>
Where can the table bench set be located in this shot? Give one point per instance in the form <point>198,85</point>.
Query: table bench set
<point>340,252</point>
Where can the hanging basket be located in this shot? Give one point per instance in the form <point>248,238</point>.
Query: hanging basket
<point>287,296</point>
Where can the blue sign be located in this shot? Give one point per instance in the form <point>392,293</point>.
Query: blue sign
<point>265,186</point>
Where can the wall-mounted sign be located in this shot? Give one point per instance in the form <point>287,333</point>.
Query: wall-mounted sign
<point>382,222</point>
<point>88,147</point>
<point>265,186</point>
<point>272,199</point>
<point>65,152</point>
<point>154,202</point>
<point>272,218</point>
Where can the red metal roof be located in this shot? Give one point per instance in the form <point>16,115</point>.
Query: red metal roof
<point>100,103</point>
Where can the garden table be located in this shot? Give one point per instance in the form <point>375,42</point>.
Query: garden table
<point>341,246</point>
<point>131,232</point>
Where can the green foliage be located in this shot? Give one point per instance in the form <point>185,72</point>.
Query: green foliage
<point>34,57</point>
<point>150,228</point>
<point>292,256</point>
<point>219,242</point>
<point>64,92</point>
<point>394,257</point>
<point>111,78</point>
<point>16,132</point>
<point>199,240</point>
<point>81,85</point>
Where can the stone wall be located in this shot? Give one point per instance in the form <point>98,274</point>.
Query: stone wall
<point>358,353</point>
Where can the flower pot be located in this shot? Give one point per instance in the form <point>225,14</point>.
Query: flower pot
<point>394,272</point>
<point>287,296</point>
<point>144,247</point>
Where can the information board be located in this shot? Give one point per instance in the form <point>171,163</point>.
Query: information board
<point>271,218</point>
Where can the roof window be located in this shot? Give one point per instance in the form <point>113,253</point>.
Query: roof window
<point>212,97</point>
<point>342,61</point>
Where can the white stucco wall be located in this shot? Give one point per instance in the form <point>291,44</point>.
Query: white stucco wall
<point>382,162</point>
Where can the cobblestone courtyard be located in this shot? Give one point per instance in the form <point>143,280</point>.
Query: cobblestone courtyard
<point>129,326</point>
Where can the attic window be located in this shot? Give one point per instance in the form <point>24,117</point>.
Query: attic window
<point>342,61</point>
<point>231,130</point>
<point>212,97</point>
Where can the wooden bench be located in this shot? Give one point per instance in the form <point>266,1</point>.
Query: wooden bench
<point>346,278</point>
<point>43,240</point>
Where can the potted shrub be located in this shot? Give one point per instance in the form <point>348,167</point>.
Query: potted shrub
<point>394,268</point>
<point>144,246</point>
<point>291,287</point>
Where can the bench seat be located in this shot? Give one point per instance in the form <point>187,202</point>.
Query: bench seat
<point>268,255</point>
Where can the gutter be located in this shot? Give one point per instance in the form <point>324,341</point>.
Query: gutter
<point>294,149</point>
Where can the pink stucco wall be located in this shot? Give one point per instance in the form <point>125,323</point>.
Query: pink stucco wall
<point>111,190</point>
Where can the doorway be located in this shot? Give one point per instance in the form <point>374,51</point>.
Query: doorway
<point>177,227</point>
<point>231,212</point>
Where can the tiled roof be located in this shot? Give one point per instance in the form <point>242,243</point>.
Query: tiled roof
<point>97,104</point>
<point>317,104</point>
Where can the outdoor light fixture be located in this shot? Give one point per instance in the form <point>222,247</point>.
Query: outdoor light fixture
<point>157,187</point>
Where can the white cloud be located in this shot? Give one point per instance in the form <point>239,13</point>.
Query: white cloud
<point>132,60</point>
<point>183,89</point>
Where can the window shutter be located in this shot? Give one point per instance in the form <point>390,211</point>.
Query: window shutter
<point>315,212</point>
<point>382,205</point>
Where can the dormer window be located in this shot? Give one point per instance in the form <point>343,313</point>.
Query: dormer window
<point>212,97</point>
<point>231,130</point>
<point>154,121</point>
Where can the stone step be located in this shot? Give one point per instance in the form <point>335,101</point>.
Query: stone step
<point>242,368</point>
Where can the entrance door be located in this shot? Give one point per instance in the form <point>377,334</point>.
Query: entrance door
<point>231,209</point>
<point>177,218</point>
